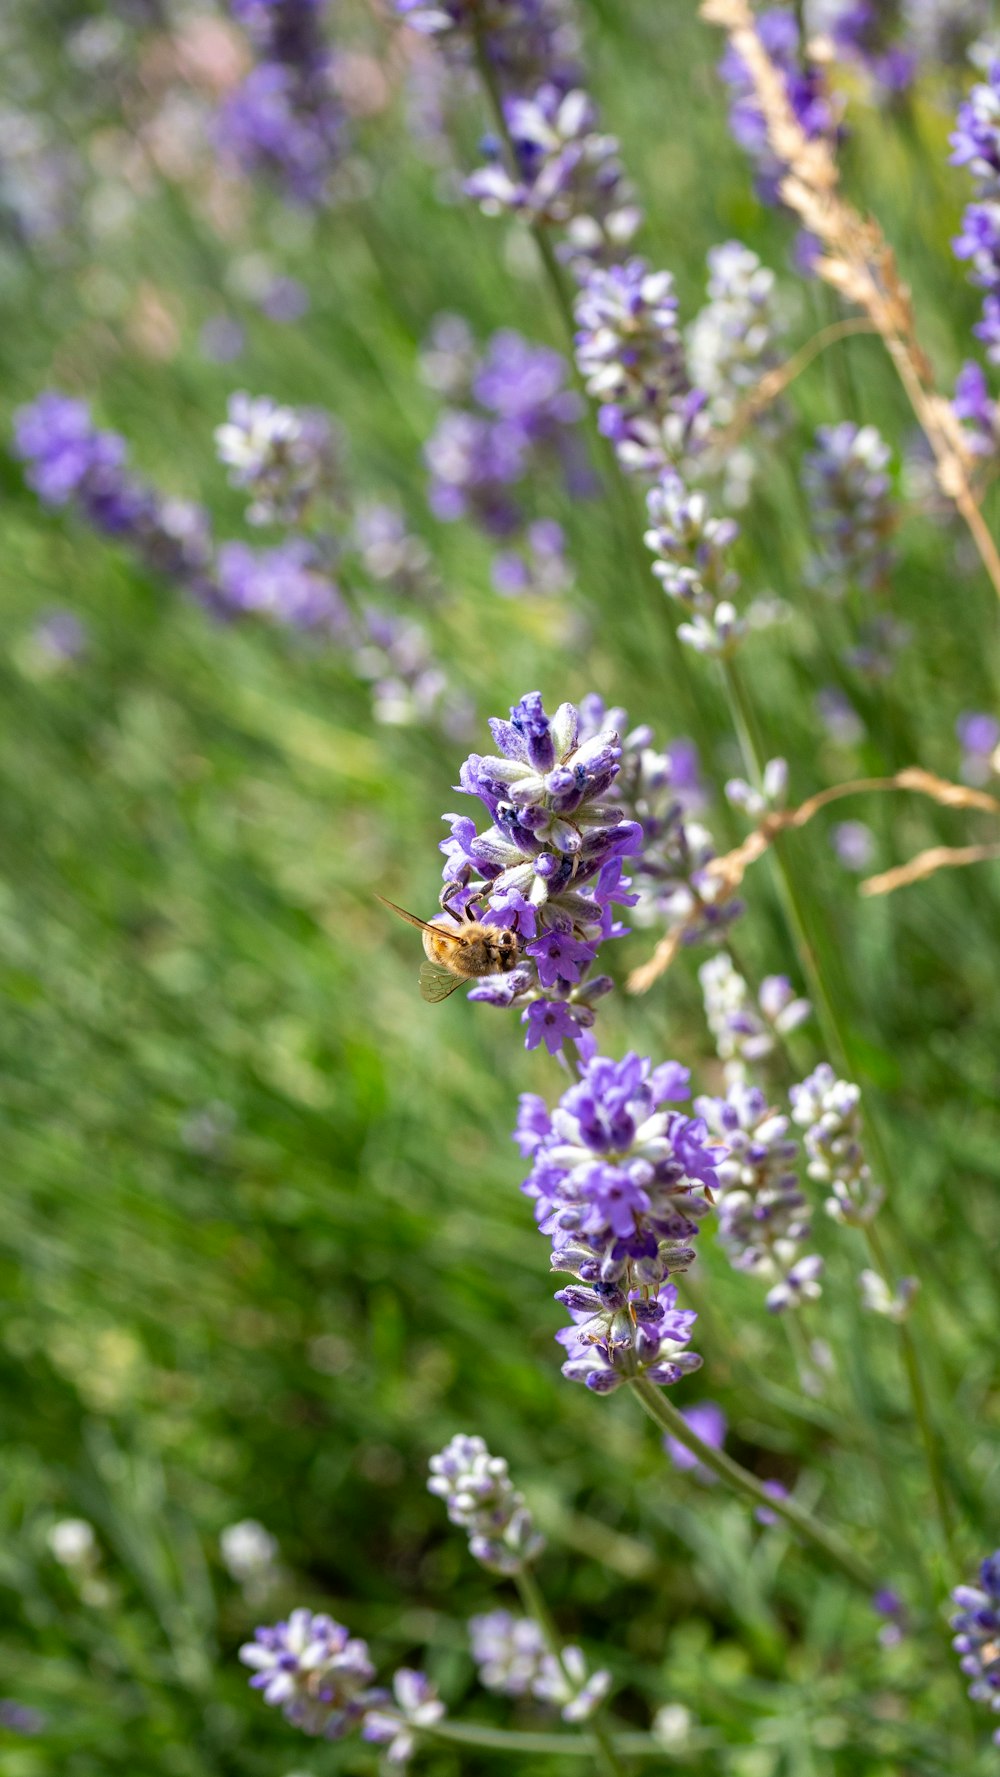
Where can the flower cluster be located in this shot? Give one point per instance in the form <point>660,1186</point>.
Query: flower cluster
<point>71,462</point>
<point>615,1179</point>
<point>708,1422</point>
<point>805,91</point>
<point>763,1216</point>
<point>512,1658</point>
<point>525,41</point>
<point>518,414</point>
<point>736,337</point>
<point>281,456</point>
<point>396,1722</point>
<point>483,1501</point>
<point>827,1109</point>
<point>659,790</point>
<point>866,34</point>
<point>746,1034</point>
<point>851,505</point>
<point>630,354</point>
<point>977,1637</point>
<point>976,411</point>
<point>287,584</point>
<point>550,865</point>
<point>313,1671</point>
<point>563,174</point>
<point>284,120</point>
<point>979,737</point>
<point>249,1553</point>
<point>691,549</point>
<point>976,145</point>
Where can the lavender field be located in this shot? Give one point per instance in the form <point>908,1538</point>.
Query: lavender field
<point>529,464</point>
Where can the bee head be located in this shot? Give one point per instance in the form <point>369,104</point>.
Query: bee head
<point>506,948</point>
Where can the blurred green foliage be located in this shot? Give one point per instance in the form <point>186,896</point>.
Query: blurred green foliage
<point>263,1248</point>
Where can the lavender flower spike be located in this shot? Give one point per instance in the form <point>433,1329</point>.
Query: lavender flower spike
<point>615,1178</point>
<point>850,496</point>
<point>976,145</point>
<point>691,550</point>
<point>567,176</point>
<point>312,1670</point>
<point>550,866</point>
<point>977,1638</point>
<point>482,1500</point>
<point>764,1219</point>
<point>396,1724</point>
<point>513,1659</point>
<point>827,1109</point>
<point>280,455</point>
<point>631,356</point>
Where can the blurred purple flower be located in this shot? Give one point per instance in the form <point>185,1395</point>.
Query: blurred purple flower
<point>707,1420</point>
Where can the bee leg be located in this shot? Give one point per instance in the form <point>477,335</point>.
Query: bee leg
<point>448,893</point>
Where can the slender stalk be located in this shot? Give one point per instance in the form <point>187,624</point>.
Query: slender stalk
<point>921,1408</point>
<point>835,1040</point>
<point>740,1480</point>
<point>470,1733</point>
<point>534,1603</point>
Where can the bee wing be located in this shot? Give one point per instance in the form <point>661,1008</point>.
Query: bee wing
<point>437,983</point>
<point>411,919</point>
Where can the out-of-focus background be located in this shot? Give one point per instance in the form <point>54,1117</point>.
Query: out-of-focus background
<point>263,1248</point>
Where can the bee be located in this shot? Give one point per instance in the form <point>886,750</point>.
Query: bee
<point>459,949</point>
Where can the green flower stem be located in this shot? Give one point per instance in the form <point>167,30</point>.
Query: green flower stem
<point>470,1733</point>
<point>834,1038</point>
<point>534,1603</point>
<point>740,1480</point>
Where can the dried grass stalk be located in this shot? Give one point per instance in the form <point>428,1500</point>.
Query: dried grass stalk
<point>730,869</point>
<point>859,263</point>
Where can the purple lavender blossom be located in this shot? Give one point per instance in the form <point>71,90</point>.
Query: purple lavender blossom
<point>281,456</point>
<point>977,1638</point>
<point>708,1422</point>
<point>396,1724</point>
<point>805,91</point>
<point>59,639</point>
<point>550,866</point>
<point>286,584</point>
<point>615,1178</point>
<point>736,338</point>
<point>976,410</point>
<point>853,513</point>
<point>19,1718</point>
<point>525,41</point>
<point>310,1668</point>
<point>692,565</point>
<point>513,1660</point>
<point>746,1033</point>
<point>630,354</point>
<point>525,386</point>
<point>285,121</point>
<point>828,1110</point>
<point>566,176</point>
<point>976,145</point>
<point>70,462</point>
<point>854,845</point>
<point>540,569</point>
<point>867,34</point>
<point>887,1604</point>
<point>661,791</point>
<point>979,737</point>
<point>618,1338</point>
<point>763,1514</point>
<point>763,1216</point>
<point>482,1500</point>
